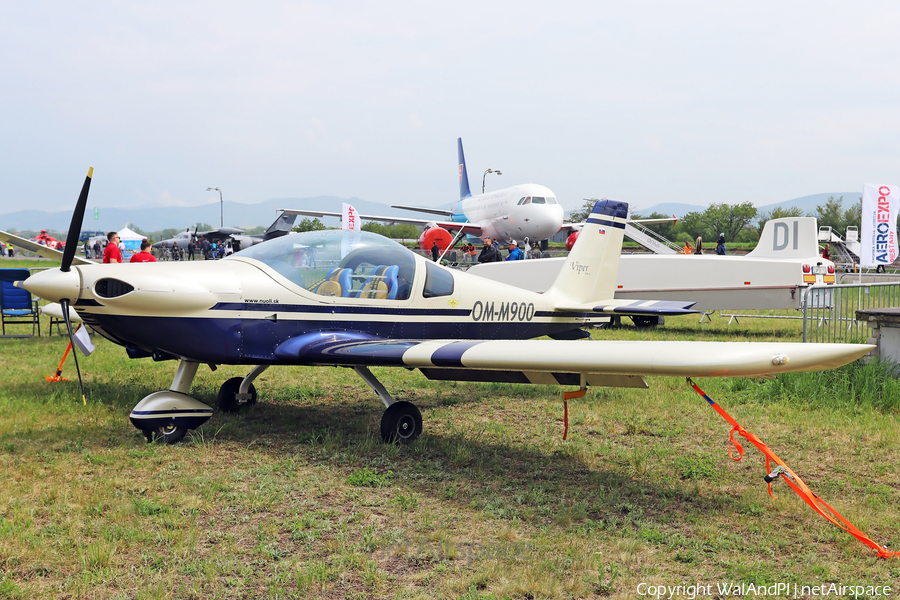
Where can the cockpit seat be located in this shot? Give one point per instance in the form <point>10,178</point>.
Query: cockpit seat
<point>337,282</point>
<point>390,279</point>
<point>374,286</point>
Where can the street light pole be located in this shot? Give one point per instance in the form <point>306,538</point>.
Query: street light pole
<point>221,206</point>
<point>485,175</point>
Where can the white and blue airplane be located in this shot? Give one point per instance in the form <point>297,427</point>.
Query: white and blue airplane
<point>358,300</point>
<point>525,211</point>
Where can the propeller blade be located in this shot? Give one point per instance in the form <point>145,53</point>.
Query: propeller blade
<point>75,228</point>
<point>65,311</point>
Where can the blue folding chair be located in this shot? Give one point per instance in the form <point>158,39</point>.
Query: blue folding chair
<point>17,305</point>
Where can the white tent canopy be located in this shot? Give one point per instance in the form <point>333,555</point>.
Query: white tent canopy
<point>127,235</point>
<point>131,241</point>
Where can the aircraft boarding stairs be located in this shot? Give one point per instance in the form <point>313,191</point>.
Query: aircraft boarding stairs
<point>649,239</point>
<point>844,252</point>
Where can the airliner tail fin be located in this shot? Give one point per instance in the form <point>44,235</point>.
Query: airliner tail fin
<point>464,191</point>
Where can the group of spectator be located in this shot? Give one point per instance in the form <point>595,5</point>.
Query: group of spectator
<point>7,250</point>
<point>112,254</point>
<point>489,253</point>
<point>113,249</point>
<point>698,249</point>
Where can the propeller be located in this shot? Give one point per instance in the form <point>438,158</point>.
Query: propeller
<point>75,225</point>
<point>68,257</point>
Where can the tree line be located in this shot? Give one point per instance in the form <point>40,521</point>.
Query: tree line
<point>739,222</point>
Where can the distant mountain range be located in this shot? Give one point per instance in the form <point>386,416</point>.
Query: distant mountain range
<point>239,215</point>
<point>807,204</point>
<point>245,216</point>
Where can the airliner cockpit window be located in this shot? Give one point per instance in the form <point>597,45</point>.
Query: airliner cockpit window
<point>551,200</point>
<point>520,202</point>
<point>339,263</point>
<point>527,200</point>
<point>538,200</point>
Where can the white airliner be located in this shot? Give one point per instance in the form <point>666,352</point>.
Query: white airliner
<point>522,211</point>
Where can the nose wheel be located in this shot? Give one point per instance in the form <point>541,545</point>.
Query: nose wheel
<point>401,423</point>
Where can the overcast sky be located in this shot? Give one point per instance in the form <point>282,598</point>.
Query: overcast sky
<point>645,102</point>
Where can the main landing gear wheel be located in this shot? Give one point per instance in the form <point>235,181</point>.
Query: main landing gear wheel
<point>401,423</point>
<point>169,433</point>
<point>644,322</point>
<point>228,401</point>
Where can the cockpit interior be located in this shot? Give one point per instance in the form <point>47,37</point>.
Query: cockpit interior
<point>345,264</point>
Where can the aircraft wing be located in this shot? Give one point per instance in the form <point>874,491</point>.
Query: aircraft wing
<point>431,211</point>
<point>469,228</point>
<point>44,251</point>
<point>619,358</point>
<point>219,235</point>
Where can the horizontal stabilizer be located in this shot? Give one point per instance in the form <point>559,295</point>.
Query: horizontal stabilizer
<point>633,307</point>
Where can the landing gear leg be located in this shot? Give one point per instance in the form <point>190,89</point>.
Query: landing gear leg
<point>169,414</point>
<point>238,392</point>
<point>402,421</point>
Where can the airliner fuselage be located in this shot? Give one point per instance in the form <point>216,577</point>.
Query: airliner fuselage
<point>522,211</point>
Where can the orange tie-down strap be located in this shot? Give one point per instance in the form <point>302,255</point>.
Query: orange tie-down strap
<point>791,478</point>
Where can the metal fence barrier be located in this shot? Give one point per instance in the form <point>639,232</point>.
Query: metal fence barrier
<point>829,311</point>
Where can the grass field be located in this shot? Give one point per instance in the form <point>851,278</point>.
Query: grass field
<point>298,497</point>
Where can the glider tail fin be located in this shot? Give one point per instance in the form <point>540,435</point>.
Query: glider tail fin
<point>592,267</point>
<point>464,191</point>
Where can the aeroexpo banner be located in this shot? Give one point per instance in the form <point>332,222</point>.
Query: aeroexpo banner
<point>878,235</point>
<point>350,223</point>
<point>350,218</point>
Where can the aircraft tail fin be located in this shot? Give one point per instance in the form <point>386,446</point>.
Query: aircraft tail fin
<point>281,226</point>
<point>788,237</point>
<point>590,271</point>
<point>464,191</point>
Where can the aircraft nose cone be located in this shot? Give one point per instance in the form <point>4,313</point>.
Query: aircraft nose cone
<point>54,284</point>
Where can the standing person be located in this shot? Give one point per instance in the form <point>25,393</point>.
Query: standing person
<point>205,245</point>
<point>688,249</point>
<point>9,250</point>
<point>228,249</point>
<point>473,253</point>
<point>514,252</point>
<point>825,253</point>
<point>435,251</point>
<point>144,255</point>
<point>720,245</point>
<point>488,254</point>
<point>112,254</point>
<point>699,248</point>
<point>87,249</point>
<point>175,255</point>
<point>191,248</point>
<point>98,251</point>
